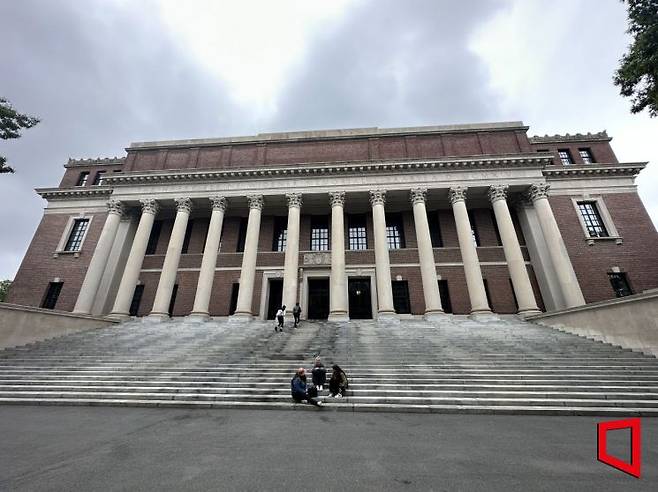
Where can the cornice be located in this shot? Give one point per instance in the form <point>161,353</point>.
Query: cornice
<point>587,171</point>
<point>534,160</point>
<point>82,192</point>
<point>578,137</point>
<point>107,161</point>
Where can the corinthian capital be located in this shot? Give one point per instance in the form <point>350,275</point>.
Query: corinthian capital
<point>537,191</point>
<point>115,207</point>
<point>255,201</point>
<point>294,200</point>
<point>417,195</point>
<point>458,194</point>
<point>337,198</point>
<point>497,192</point>
<point>149,206</point>
<point>183,204</point>
<point>377,197</point>
<point>219,203</point>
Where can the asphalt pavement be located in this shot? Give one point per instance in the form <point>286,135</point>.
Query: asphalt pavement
<point>132,449</point>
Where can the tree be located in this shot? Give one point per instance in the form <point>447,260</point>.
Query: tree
<point>4,288</point>
<point>11,124</point>
<point>637,75</point>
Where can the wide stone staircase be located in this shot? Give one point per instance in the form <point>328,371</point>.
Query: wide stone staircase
<point>456,365</point>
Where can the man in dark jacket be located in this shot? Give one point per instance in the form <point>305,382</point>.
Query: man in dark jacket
<point>299,390</point>
<point>296,313</point>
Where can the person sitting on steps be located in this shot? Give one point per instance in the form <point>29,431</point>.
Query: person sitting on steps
<point>319,374</point>
<point>279,317</point>
<point>338,382</point>
<point>300,391</point>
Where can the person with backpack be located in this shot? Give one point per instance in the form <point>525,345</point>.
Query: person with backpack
<point>296,313</point>
<point>319,374</point>
<point>279,317</point>
<point>338,383</point>
<point>300,391</point>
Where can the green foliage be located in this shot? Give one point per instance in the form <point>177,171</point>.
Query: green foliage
<point>11,124</point>
<point>637,75</point>
<point>4,288</point>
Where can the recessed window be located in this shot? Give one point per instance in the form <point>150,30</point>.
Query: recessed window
<point>137,300</point>
<point>586,156</point>
<point>82,179</point>
<point>172,302</point>
<point>77,235</point>
<point>356,232</point>
<point>592,219</point>
<point>394,231</point>
<point>52,294</point>
<point>435,229</point>
<point>233,304</point>
<point>401,302</point>
<point>444,293</point>
<point>319,233</point>
<point>619,283</point>
<point>98,179</point>
<point>188,236</point>
<point>280,237</point>
<point>565,156</point>
<point>495,227</point>
<point>152,245</point>
<point>474,229</point>
<point>242,235</point>
<point>486,291</point>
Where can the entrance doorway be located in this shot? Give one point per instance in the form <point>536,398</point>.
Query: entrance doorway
<point>276,296</point>
<point>318,298</point>
<point>360,303</point>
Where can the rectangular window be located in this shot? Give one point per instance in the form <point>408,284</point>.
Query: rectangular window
<point>495,225</point>
<point>319,233</point>
<point>565,156</point>
<point>401,302</point>
<point>356,232</point>
<point>280,237</point>
<point>242,235</point>
<point>444,293</point>
<point>152,245</point>
<point>52,294</point>
<point>77,235</point>
<point>82,179</point>
<point>435,229</point>
<point>233,305</point>
<point>592,219</point>
<point>486,291</point>
<point>188,236</point>
<point>474,230</point>
<point>586,156</point>
<point>137,300</point>
<point>98,179</point>
<point>394,231</point>
<point>620,284</point>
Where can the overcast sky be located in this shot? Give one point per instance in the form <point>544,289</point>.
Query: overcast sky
<point>102,74</point>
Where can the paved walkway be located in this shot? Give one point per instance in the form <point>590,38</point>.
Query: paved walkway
<point>86,448</point>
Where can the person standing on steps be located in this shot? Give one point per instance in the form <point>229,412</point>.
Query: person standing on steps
<point>338,382</point>
<point>319,374</point>
<point>296,313</point>
<point>279,317</point>
<point>300,391</point>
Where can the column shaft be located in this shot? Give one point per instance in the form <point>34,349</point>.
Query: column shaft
<point>525,296</point>
<point>474,283</point>
<point>98,262</point>
<point>209,261</point>
<point>566,276</point>
<point>338,310</point>
<point>426,253</point>
<point>133,266</point>
<point>382,262</point>
<point>291,261</point>
<point>249,257</point>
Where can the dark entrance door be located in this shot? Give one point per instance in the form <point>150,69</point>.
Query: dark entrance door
<point>318,298</point>
<point>276,294</point>
<point>359,298</point>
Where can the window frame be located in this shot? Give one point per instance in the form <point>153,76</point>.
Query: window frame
<point>48,294</point>
<point>474,229</point>
<point>604,214</point>
<point>434,225</point>
<point>568,157</point>
<point>395,232</point>
<point>624,277</point>
<point>242,235</point>
<point>319,234</point>
<point>402,285</point>
<point>66,233</point>
<point>280,234</point>
<point>590,156</point>
<point>99,177</point>
<point>154,238</point>
<point>83,179</point>
<point>357,232</point>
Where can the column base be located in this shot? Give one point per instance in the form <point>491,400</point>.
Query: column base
<point>388,317</point>
<point>157,318</point>
<point>434,316</point>
<point>338,316</point>
<point>241,317</point>
<point>483,316</point>
<point>119,316</point>
<point>528,312</point>
<point>198,317</point>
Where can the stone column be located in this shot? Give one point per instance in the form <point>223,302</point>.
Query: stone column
<point>382,262</point>
<point>518,272</point>
<point>291,261</point>
<point>249,257</point>
<point>172,258</point>
<point>426,254</point>
<point>121,309</point>
<point>538,194</point>
<point>99,260</point>
<point>474,283</point>
<point>209,261</point>
<point>338,283</point>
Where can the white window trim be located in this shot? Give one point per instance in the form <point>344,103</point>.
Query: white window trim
<point>67,232</point>
<point>613,234</point>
